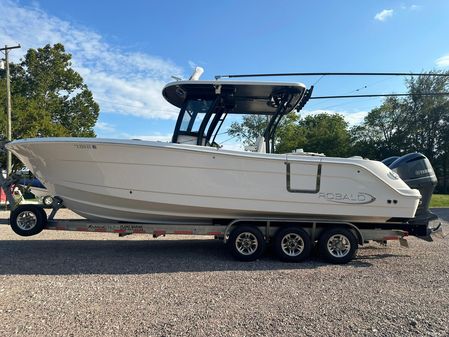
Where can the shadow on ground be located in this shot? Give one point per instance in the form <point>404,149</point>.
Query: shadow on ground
<point>66,257</point>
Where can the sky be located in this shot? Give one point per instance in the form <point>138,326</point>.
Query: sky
<point>127,51</point>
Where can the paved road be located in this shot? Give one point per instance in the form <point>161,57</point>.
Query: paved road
<point>443,213</point>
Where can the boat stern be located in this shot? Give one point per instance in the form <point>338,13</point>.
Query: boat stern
<point>417,172</point>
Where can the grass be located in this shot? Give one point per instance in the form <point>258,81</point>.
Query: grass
<point>440,200</point>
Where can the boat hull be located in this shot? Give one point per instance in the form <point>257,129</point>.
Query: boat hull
<point>154,182</point>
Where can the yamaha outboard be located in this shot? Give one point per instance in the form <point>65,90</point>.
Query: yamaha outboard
<point>388,161</point>
<point>417,172</point>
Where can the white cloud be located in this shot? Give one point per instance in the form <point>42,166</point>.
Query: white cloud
<point>353,118</point>
<point>411,7</point>
<point>384,14</point>
<point>105,127</point>
<point>443,61</point>
<point>122,82</point>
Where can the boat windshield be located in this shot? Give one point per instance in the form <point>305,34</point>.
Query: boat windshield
<point>193,119</point>
<point>195,111</point>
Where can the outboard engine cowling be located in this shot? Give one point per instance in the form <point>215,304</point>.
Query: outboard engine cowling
<point>417,172</point>
<point>388,161</point>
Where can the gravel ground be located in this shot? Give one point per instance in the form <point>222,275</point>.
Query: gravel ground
<point>94,284</point>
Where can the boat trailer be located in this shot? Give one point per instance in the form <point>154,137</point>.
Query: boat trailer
<point>246,238</point>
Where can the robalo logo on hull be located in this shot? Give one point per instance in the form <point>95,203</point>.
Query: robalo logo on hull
<point>347,198</point>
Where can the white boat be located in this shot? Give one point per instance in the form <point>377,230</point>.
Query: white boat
<point>193,181</point>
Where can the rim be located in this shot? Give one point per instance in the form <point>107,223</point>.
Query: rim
<point>292,244</point>
<point>338,245</point>
<point>246,243</point>
<point>26,220</point>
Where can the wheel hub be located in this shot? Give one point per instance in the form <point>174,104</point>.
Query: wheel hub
<point>246,243</point>
<point>292,244</point>
<point>338,245</point>
<point>26,220</point>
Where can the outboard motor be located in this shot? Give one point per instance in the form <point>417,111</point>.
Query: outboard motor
<point>417,172</point>
<point>389,160</point>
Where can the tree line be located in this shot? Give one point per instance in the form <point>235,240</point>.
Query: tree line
<point>398,126</point>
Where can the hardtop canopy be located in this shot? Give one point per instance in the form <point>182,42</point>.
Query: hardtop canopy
<point>241,97</point>
<point>205,104</point>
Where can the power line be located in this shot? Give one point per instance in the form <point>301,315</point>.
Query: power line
<point>334,74</point>
<point>316,104</point>
<point>382,95</point>
<point>339,104</point>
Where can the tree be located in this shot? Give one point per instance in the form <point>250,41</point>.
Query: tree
<point>415,123</point>
<point>428,115</point>
<point>327,133</point>
<point>251,127</point>
<point>290,136</point>
<point>49,98</point>
<point>383,132</point>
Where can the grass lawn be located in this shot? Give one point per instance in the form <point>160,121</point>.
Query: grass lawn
<point>440,200</point>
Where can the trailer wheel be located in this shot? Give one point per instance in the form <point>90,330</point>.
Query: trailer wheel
<point>338,245</point>
<point>27,220</point>
<point>47,200</point>
<point>246,243</point>
<point>292,244</point>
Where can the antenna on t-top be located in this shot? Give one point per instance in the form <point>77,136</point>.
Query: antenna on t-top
<point>196,74</point>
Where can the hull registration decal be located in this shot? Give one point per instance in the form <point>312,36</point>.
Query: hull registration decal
<point>85,146</point>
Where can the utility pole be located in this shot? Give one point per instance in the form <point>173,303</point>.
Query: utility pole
<point>8,105</point>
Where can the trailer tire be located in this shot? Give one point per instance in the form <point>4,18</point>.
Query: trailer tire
<point>246,243</point>
<point>44,215</point>
<point>338,245</point>
<point>27,220</point>
<point>292,244</point>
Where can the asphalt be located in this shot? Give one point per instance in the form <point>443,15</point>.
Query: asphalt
<point>443,213</point>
